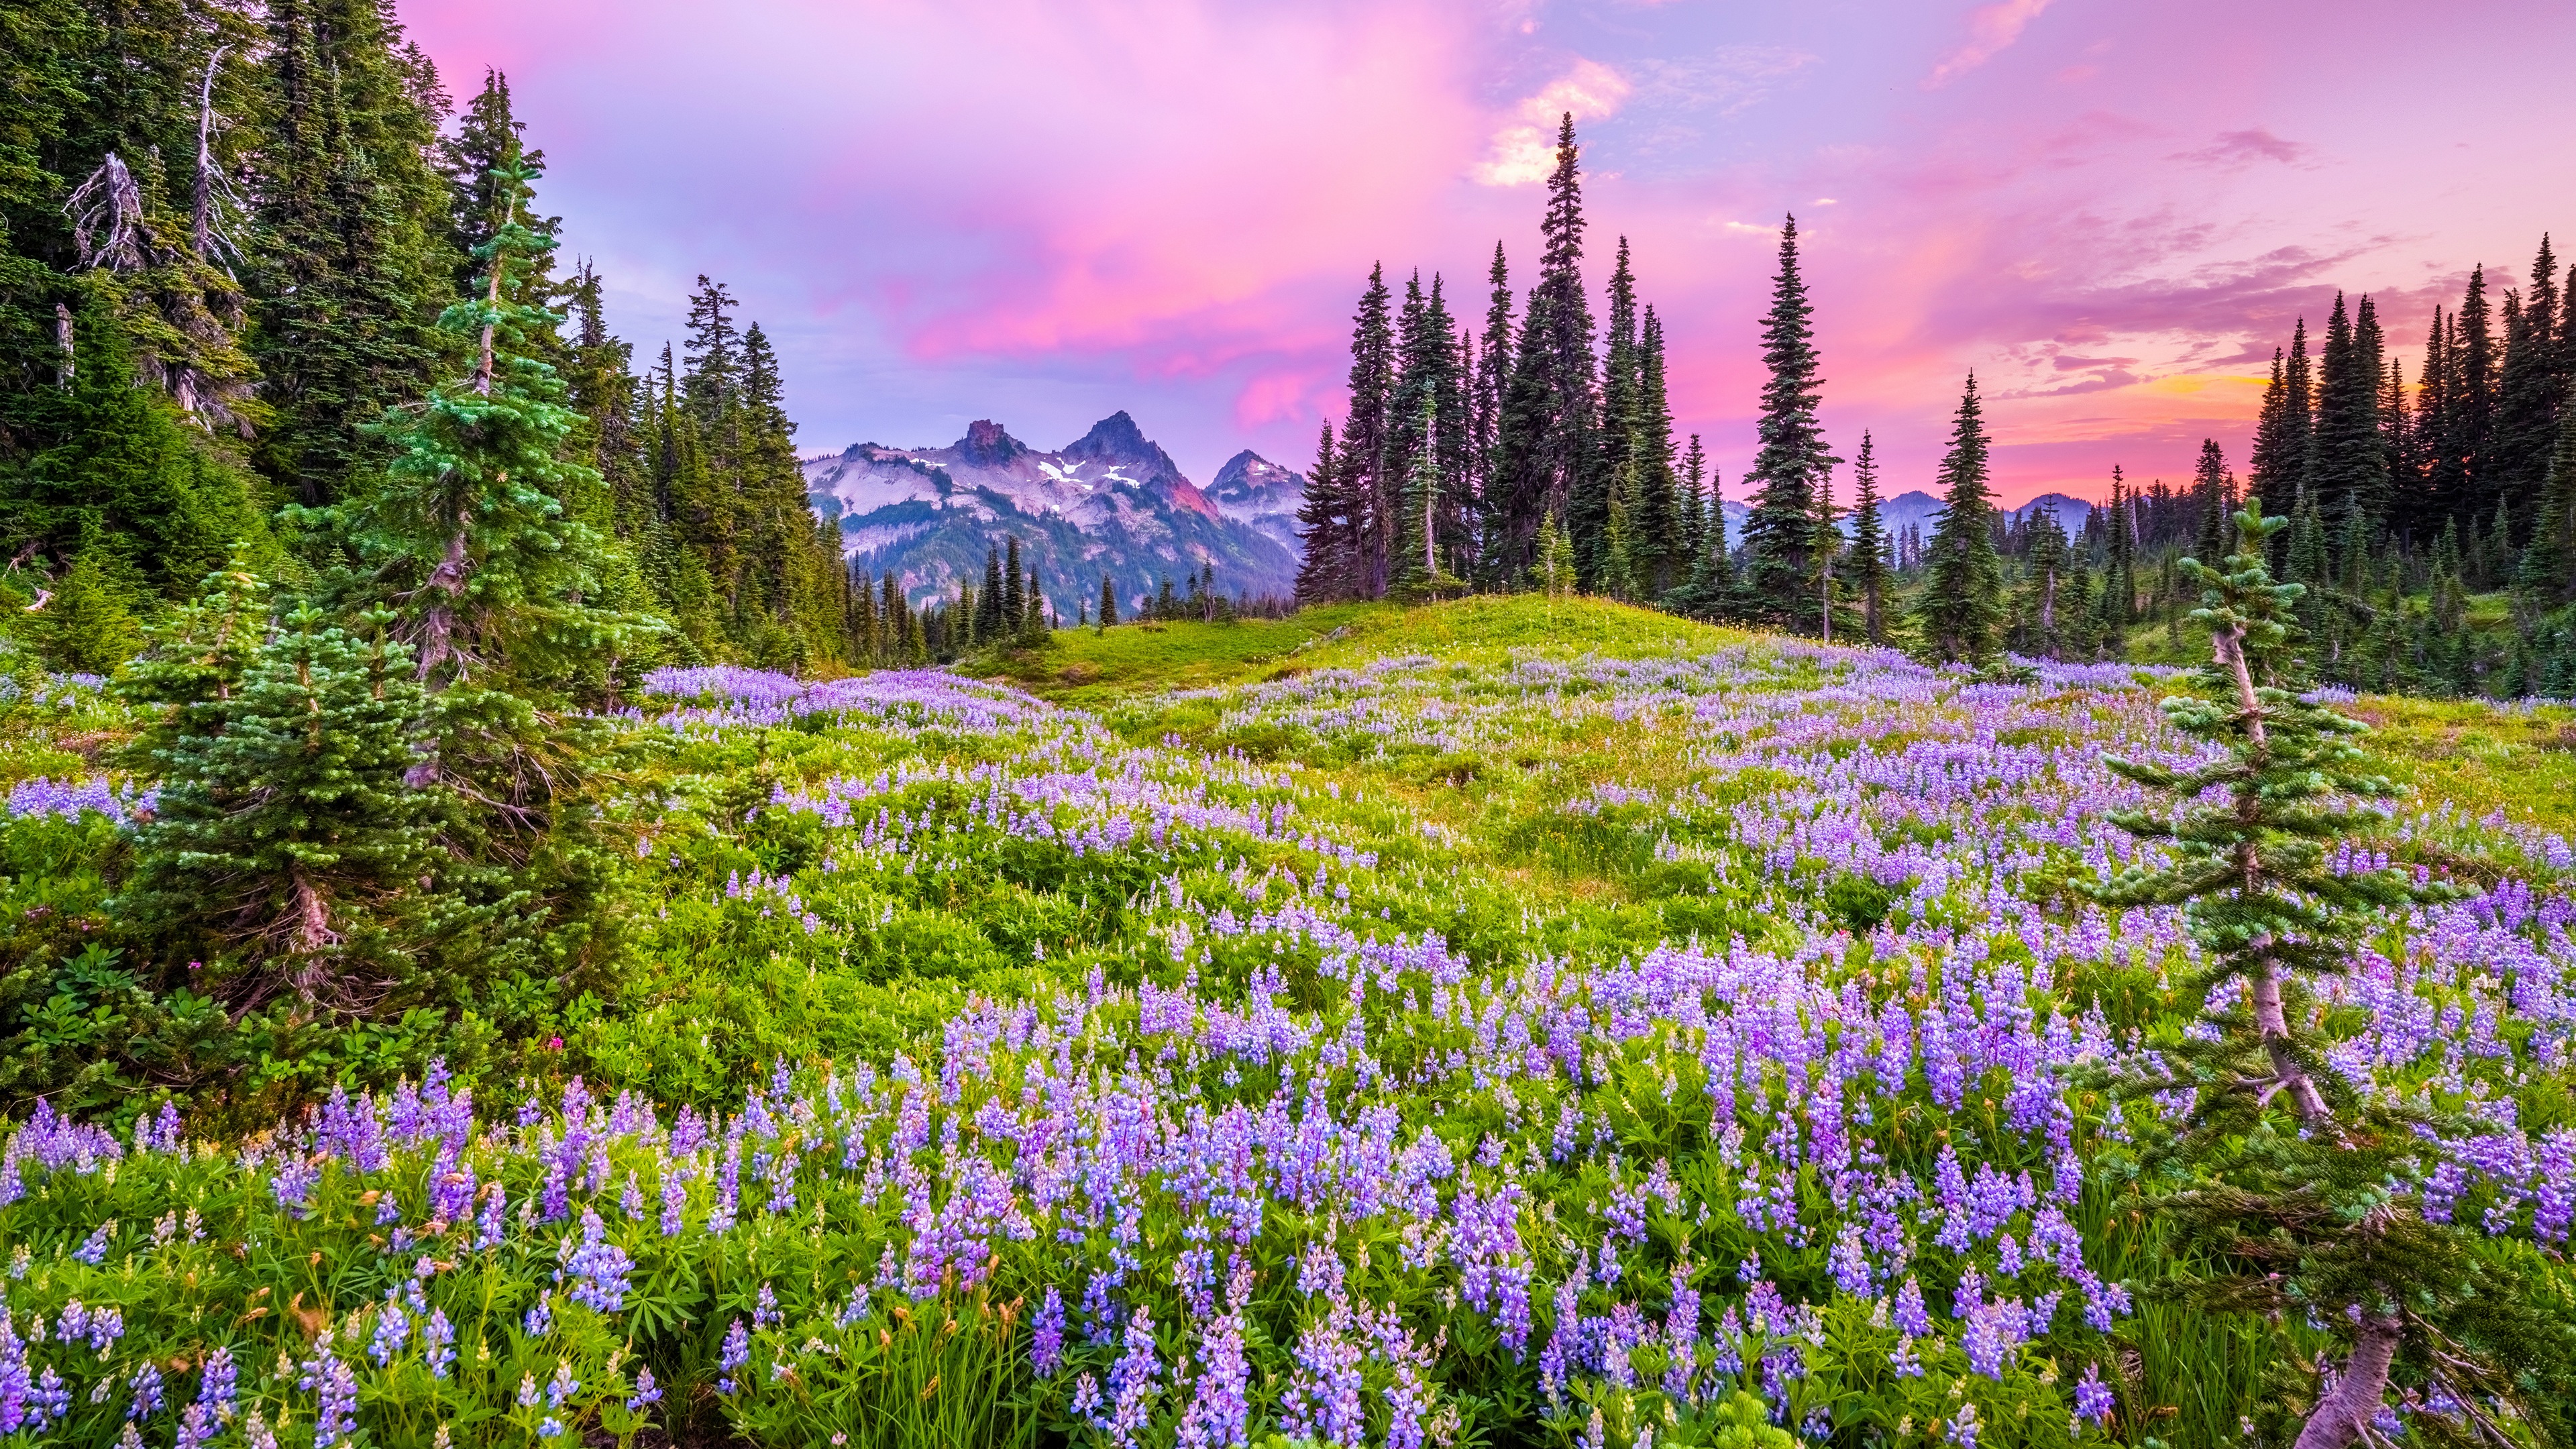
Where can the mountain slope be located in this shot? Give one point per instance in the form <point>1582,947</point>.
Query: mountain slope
<point>1110,502</point>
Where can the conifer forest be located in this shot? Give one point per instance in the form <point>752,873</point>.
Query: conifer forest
<point>514,931</point>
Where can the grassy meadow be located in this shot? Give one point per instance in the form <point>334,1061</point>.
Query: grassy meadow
<point>1502,1022</point>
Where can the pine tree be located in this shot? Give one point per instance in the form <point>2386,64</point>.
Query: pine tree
<point>1779,533</point>
<point>1621,367</point>
<point>1323,527</point>
<point>355,264</point>
<point>2209,490</point>
<point>1961,603</point>
<point>1869,565</point>
<point>1548,436</point>
<point>1108,602</point>
<point>2300,1193</point>
<point>2346,469</point>
<point>2470,448</point>
<point>2548,569</point>
<point>2529,391</point>
<point>1492,382</point>
<point>1015,594</point>
<point>2272,468</point>
<point>2042,626</point>
<point>283,823</point>
<point>1362,470</point>
<point>470,526</point>
<point>2120,562</point>
<point>1659,547</point>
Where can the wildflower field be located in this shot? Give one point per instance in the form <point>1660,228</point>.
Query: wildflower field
<point>1509,1022</point>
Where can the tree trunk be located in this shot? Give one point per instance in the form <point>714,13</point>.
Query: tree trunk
<point>2341,1415</point>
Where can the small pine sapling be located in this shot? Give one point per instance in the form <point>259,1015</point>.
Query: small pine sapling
<point>2296,1183</point>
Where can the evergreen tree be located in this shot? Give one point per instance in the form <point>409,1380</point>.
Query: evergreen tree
<point>2548,570</point>
<point>1779,533</point>
<point>1869,564</point>
<point>2347,463</point>
<point>2529,391</point>
<point>471,527</point>
<point>355,263</point>
<point>1549,433</point>
<point>2042,626</point>
<point>1362,470</point>
<point>1659,547</point>
<point>1108,602</point>
<point>2273,467</point>
<point>1323,526</point>
<point>2120,560</point>
<point>1961,603</point>
<point>1015,595</point>
<point>283,824</point>
<point>2470,448</point>
<point>2209,491</point>
<point>983,615</point>
<point>1621,367</point>
<point>1493,381</point>
<point>2300,1193</point>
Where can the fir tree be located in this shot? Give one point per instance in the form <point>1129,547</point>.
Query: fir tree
<point>1660,546</point>
<point>2120,560</point>
<point>1549,433</point>
<point>283,823</point>
<point>1621,366</point>
<point>2529,391</point>
<point>2347,463</point>
<point>1961,603</point>
<point>1108,602</point>
<point>1323,527</point>
<point>1779,533</point>
<point>1869,565</point>
<point>1362,470</point>
<point>2300,1193</point>
<point>2041,626</point>
<point>471,527</point>
<point>1493,380</point>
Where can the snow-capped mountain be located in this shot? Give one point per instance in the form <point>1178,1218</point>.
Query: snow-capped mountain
<point>1110,502</point>
<point>1262,493</point>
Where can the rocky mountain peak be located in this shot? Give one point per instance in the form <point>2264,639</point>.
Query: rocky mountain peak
<point>988,445</point>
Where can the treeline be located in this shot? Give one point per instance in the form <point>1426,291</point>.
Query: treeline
<point>1537,451</point>
<point>230,233</point>
<point>308,440</point>
<point>1480,458</point>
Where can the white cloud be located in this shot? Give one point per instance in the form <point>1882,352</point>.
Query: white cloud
<point>1991,30</point>
<point>1525,150</point>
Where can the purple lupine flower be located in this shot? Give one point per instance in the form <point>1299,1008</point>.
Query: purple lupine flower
<point>2092,1396</point>
<point>734,1358</point>
<point>595,1267</point>
<point>1046,1334</point>
<point>93,1249</point>
<point>438,1343</point>
<point>146,1392</point>
<point>540,1320</point>
<point>335,1414</point>
<point>646,1392</point>
<point>216,1384</point>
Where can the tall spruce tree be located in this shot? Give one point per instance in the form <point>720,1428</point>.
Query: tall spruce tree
<point>471,527</point>
<point>1660,550</point>
<point>2347,463</point>
<point>1366,434</point>
<point>1620,380</point>
<point>1960,608</point>
<point>354,264</point>
<point>1323,570</point>
<point>2529,392</point>
<point>1779,533</point>
<point>1548,436</point>
<point>1868,571</point>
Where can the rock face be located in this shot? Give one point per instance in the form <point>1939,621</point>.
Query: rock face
<point>1111,502</point>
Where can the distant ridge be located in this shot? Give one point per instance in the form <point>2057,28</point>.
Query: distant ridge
<point>1110,502</point>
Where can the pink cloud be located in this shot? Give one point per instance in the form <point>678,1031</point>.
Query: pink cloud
<point>1991,30</point>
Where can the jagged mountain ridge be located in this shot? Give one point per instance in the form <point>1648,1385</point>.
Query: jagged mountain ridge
<point>1110,502</point>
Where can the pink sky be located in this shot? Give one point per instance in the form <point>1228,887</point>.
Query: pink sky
<point>1041,211</point>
